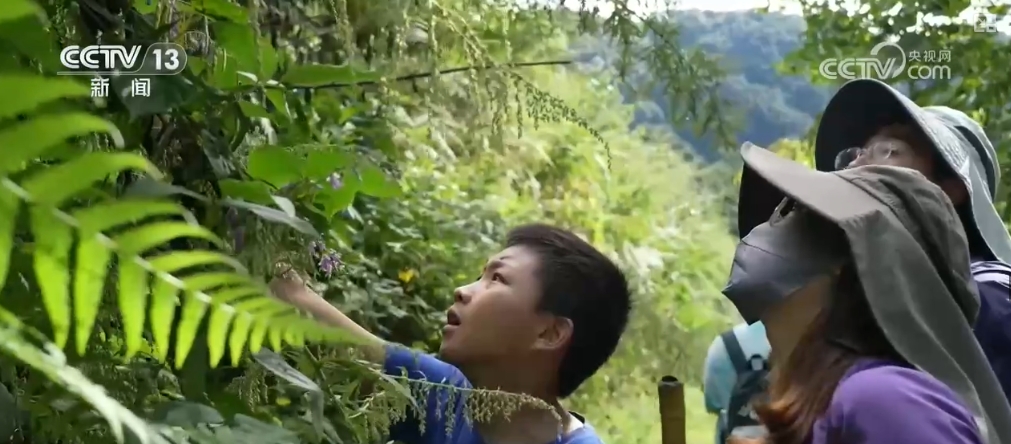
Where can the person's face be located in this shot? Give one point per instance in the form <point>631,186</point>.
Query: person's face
<point>496,316</point>
<point>787,321</point>
<point>903,146</point>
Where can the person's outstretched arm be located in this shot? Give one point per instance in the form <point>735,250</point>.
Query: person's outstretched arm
<point>293,290</point>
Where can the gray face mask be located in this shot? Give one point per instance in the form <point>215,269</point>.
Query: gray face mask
<point>778,258</point>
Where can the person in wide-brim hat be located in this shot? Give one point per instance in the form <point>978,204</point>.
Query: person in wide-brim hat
<point>861,279</point>
<point>868,122</point>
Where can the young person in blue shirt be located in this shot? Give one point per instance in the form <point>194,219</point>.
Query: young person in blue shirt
<point>543,316</point>
<point>720,375</point>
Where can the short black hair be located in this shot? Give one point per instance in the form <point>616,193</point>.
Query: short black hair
<point>579,283</point>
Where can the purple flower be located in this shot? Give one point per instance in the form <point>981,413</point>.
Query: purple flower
<point>335,181</point>
<point>330,263</point>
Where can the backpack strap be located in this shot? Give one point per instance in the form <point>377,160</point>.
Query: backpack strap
<point>734,351</point>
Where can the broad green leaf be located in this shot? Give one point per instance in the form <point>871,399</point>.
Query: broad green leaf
<point>91,268</point>
<point>15,9</point>
<point>54,185</point>
<point>23,93</point>
<point>273,215</point>
<point>132,302</point>
<point>376,184</point>
<point>53,240</point>
<point>10,206</point>
<point>313,75</point>
<point>141,239</point>
<point>257,336</point>
<point>29,140</point>
<point>268,59</point>
<point>322,163</point>
<point>335,201</point>
<point>27,35</point>
<point>252,191</point>
<point>275,166</point>
<point>253,110</point>
<point>276,97</point>
<point>238,41</point>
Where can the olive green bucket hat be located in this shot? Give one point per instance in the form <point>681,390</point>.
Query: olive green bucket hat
<point>912,258</point>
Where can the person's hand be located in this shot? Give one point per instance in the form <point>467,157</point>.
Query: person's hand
<point>291,288</point>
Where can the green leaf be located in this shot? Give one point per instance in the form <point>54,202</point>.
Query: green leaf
<point>54,185</point>
<point>15,9</point>
<point>322,163</point>
<point>275,166</point>
<point>27,36</point>
<point>376,184</point>
<point>91,268</point>
<point>53,241</point>
<point>10,206</point>
<point>138,240</point>
<point>251,109</point>
<point>186,332</point>
<point>251,191</point>
<point>132,302</point>
<point>111,214</point>
<point>164,297</point>
<point>272,215</point>
<point>27,141</point>
<point>24,93</point>
<point>335,201</point>
<point>268,59</point>
<point>238,41</point>
<point>147,187</point>
<point>313,75</point>
<point>217,333</point>
<point>276,97</point>
<point>285,205</point>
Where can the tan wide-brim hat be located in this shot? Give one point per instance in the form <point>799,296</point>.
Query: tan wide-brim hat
<point>912,257</point>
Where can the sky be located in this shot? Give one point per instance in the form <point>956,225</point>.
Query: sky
<point>785,6</point>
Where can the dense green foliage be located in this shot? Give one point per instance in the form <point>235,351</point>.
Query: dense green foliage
<point>384,149</point>
<point>139,230</point>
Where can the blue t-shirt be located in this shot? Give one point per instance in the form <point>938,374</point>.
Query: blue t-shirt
<point>993,324</point>
<point>720,376</point>
<point>439,427</point>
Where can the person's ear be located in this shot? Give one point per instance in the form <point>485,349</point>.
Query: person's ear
<point>555,334</point>
<point>955,189</point>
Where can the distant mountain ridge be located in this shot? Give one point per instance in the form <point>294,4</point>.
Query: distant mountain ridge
<point>750,44</point>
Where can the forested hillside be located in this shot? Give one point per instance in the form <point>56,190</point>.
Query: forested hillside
<point>382,149</point>
<point>749,45</point>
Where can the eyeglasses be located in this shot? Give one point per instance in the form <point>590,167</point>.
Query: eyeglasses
<point>874,154</point>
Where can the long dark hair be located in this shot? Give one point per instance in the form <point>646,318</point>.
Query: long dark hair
<point>802,387</point>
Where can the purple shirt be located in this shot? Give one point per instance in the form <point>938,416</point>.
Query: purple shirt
<point>880,402</point>
<point>993,324</point>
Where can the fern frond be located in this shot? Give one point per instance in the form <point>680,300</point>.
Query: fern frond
<point>73,252</point>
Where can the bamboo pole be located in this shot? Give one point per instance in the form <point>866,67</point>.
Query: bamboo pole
<point>672,410</point>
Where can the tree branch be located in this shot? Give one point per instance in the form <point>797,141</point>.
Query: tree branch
<point>421,75</point>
